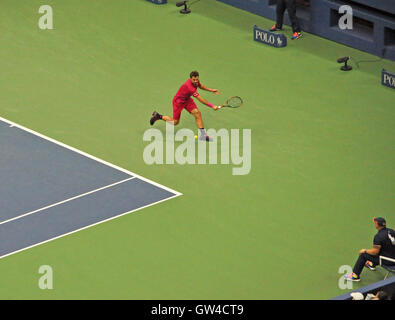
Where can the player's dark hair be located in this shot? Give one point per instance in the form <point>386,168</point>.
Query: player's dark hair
<point>194,74</point>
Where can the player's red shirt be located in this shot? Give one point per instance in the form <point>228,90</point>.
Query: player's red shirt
<point>187,90</point>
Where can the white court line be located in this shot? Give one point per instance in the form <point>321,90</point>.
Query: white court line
<point>91,225</point>
<point>64,201</point>
<point>176,193</point>
<point>13,124</point>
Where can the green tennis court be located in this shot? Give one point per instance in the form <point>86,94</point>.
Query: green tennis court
<point>322,151</point>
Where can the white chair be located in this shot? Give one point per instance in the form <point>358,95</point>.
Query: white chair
<point>390,269</point>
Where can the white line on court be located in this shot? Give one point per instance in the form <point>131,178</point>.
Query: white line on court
<point>13,124</point>
<point>176,193</point>
<point>64,201</point>
<point>91,225</point>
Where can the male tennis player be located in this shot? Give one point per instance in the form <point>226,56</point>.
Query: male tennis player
<point>182,100</point>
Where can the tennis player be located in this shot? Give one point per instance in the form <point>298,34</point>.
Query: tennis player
<point>182,100</point>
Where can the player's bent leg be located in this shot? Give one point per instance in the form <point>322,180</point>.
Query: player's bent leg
<point>177,109</point>
<point>167,118</point>
<point>199,122</point>
<point>171,120</point>
<point>198,117</point>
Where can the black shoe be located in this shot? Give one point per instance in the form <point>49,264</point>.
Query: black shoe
<point>155,116</point>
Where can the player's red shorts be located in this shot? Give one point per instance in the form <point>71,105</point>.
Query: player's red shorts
<point>180,104</point>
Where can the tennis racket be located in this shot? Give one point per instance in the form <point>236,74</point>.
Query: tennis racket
<point>232,102</point>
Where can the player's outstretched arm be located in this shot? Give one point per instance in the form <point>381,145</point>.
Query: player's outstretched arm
<point>216,91</point>
<point>204,101</point>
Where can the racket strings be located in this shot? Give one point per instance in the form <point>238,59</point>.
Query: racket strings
<point>234,102</point>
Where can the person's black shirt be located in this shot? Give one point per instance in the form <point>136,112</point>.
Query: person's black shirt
<point>386,239</point>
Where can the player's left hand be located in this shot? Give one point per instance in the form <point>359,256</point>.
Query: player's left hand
<point>216,91</point>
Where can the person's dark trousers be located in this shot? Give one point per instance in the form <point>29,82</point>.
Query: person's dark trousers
<point>290,5</point>
<point>359,265</point>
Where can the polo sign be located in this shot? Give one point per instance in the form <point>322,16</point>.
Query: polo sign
<point>387,79</point>
<point>276,40</point>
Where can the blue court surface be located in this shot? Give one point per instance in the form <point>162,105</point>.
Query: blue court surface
<point>49,190</point>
